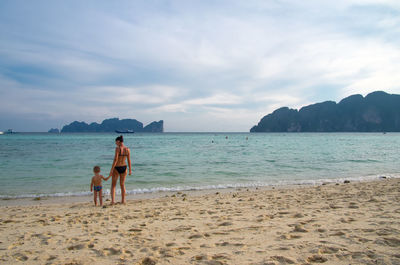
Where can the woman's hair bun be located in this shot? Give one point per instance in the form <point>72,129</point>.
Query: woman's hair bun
<point>120,138</point>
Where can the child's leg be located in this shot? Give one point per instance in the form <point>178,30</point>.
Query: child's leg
<point>95,198</point>
<point>101,197</point>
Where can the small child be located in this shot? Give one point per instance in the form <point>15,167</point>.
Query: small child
<point>96,185</point>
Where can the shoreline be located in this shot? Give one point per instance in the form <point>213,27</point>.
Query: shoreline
<point>45,199</point>
<point>21,202</point>
<point>352,223</point>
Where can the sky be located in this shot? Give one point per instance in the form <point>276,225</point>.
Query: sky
<point>201,66</point>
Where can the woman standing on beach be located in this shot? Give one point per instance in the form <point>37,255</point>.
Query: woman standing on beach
<point>119,168</point>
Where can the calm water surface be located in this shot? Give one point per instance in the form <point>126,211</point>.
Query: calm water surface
<point>61,164</point>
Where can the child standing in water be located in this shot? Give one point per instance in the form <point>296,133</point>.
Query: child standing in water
<point>96,185</point>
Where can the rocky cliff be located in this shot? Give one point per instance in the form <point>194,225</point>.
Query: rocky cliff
<point>110,125</point>
<point>377,112</point>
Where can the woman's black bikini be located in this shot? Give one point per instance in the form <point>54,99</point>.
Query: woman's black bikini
<point>121,169</point>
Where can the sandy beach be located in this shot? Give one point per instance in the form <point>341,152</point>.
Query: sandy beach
<point>353,223</point>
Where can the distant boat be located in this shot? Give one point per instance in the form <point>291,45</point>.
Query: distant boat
<point>125,131</point>
<point>9,131</point>
<point>1,133</point>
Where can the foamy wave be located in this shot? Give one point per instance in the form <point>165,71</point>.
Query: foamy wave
<point>211,187</point>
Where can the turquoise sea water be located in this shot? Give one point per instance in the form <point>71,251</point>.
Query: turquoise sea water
<point>61,164</point>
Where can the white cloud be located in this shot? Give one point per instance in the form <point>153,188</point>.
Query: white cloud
<point>204,60</point>
<point>217,99</point>
<point>154,94</point>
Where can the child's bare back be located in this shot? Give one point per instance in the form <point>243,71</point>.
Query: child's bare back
<point>97,179</point>
<point>96,185</point>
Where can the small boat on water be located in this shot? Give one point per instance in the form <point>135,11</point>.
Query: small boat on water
<point>9,131</point>
<point>124,131</point>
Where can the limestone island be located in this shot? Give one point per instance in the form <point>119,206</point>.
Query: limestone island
<point>377,112</point>
<point>114,124</point>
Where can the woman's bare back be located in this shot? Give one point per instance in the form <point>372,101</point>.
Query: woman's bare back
<point>123,153</point>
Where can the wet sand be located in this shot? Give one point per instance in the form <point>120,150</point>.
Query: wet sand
<point>354,223</point>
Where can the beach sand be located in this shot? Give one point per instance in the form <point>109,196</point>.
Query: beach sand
<point>354,223</point>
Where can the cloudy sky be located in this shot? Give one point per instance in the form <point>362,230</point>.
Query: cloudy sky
<point>198,65</point>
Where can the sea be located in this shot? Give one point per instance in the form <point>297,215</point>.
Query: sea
<point>45,164</point>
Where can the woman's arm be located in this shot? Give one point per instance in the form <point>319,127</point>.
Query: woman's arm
<point>115,160</point>
<point>129,162</point>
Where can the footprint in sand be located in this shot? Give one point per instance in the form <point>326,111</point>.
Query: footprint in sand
<point>221,233</point>
<point>148,261</point>
<point>363,239</point>
<point>135,230</point>
<point>298,215</point>
<point>220,257</point>
<point>20,257</point>
<point>181,228</point>
<point>222,244</point>
<point>111,251</point>
<point>200,257</point>
<point>195,236</point>
<point>327,250</point>
<point>316,259</point>
<point>299,229</point>
<point>289,236</point>
<point>127,253</point>
<point>10,221</point>
<point>225,224</point>
<point>385,232</point>
<point>388,241</point>
<point>338,233</point>
<point>76,247</point>
<point>144,250</point>
<point>353,207</point>
<point>165,253</point>
<point>283,260</point>
<point>44,237</point>
<point>52,257</point>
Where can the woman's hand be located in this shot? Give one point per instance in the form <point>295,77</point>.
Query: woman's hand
<point>130,172</point>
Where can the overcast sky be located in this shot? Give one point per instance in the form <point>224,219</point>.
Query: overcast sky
<point>198,65</point>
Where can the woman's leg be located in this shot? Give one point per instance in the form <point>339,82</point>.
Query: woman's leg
<point>122,184</point>
<point>113,184</point>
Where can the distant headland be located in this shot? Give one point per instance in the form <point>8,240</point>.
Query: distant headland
<point>114,124</point>
<point>377,112</point>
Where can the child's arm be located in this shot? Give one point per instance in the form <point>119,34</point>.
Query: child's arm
<point>105,178</point>
<point>91,186</point>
